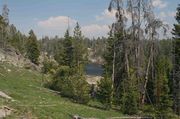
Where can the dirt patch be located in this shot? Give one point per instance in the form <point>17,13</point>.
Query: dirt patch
<point>93,79</point>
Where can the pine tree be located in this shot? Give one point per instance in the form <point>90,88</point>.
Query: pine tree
<point>33,51</point>
<point>80,51</point>
<point>16,39</point>
<point>68,50</point>
<point>2,27</point>
<point>5,15</point>
<point>105,92</point>
<point>129,101</point>
<point>81,89</point>
<point>162,97</point>
<point>59,54</point>
<point>108,55</point>
<point>176,70</point>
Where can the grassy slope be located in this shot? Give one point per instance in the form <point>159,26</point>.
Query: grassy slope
<point>32,99</point>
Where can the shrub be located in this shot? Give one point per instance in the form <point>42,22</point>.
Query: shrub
<point>49,66</point>
<point>81,90</point>
<point>61,81</point>
<point>105,92</point>
<point>71,85</point>
<point>130,103</point>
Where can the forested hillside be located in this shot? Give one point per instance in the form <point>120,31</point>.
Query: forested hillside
<point>47,78</point>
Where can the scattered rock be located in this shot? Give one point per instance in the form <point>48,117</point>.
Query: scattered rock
<point>5,111</point>
<point>5,95</point>
<point>78,117</point>
<point>9,70</point>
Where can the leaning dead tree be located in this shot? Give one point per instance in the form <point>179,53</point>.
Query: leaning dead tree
<point>152,28</point>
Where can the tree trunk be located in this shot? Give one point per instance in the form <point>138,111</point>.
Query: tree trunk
<point>127,63</point>
<point>113,73</point>
<point>146,77</point>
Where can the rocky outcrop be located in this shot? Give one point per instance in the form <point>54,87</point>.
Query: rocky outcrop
<point>5,111</point>
<point>93,80</point>
<point>14,57</point>
<point>93,58</point>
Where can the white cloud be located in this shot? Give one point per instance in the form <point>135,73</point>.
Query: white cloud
<point>106,15</point>
<point>54,26</point>
<point>167,18</point>
<point>162,14</point>
<point>95,30</point>
<point>111,15</point>
<point>159,3</point>
<point>59,22</point>
<point>58,25</point>
<point>172,14</point>
<point>165,15</point>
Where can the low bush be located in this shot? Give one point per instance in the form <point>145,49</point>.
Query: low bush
<point>105,92</point>
<point>71,85</point>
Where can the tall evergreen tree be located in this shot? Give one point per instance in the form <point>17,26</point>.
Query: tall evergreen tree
<point>176,70</point>
<point>80,51</point>
<point>68,50</point>
<point>5,15</point>
<point>108,55</point>
<point>16,39</point>
<point>162,97</point>
<point>2,26</point>
<point>59,55</point>
<point>33,51</point>
<point>105,91</point>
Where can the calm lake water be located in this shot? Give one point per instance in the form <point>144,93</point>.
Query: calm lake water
<point>94,69</point>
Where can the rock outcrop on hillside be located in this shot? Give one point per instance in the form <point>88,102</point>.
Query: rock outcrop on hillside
<point>93,58</point>
<point>11,56</point>
<point>93,80</point>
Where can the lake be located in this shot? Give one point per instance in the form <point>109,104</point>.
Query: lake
<point>94,69</point>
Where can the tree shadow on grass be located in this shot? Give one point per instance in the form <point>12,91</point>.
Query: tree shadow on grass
<point>97,107</point>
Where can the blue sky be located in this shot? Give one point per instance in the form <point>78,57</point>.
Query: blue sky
<point>49,17</point>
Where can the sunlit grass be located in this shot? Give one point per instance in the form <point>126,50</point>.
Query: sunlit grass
<point>32,99</point>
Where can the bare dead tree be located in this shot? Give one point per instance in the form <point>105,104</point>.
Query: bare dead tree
<point>144,26</point>
<point>152,27</point>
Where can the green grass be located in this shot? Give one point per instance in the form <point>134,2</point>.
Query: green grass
<point>32,99</point>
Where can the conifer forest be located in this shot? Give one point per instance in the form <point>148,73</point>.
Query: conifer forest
<point>57,62</point>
